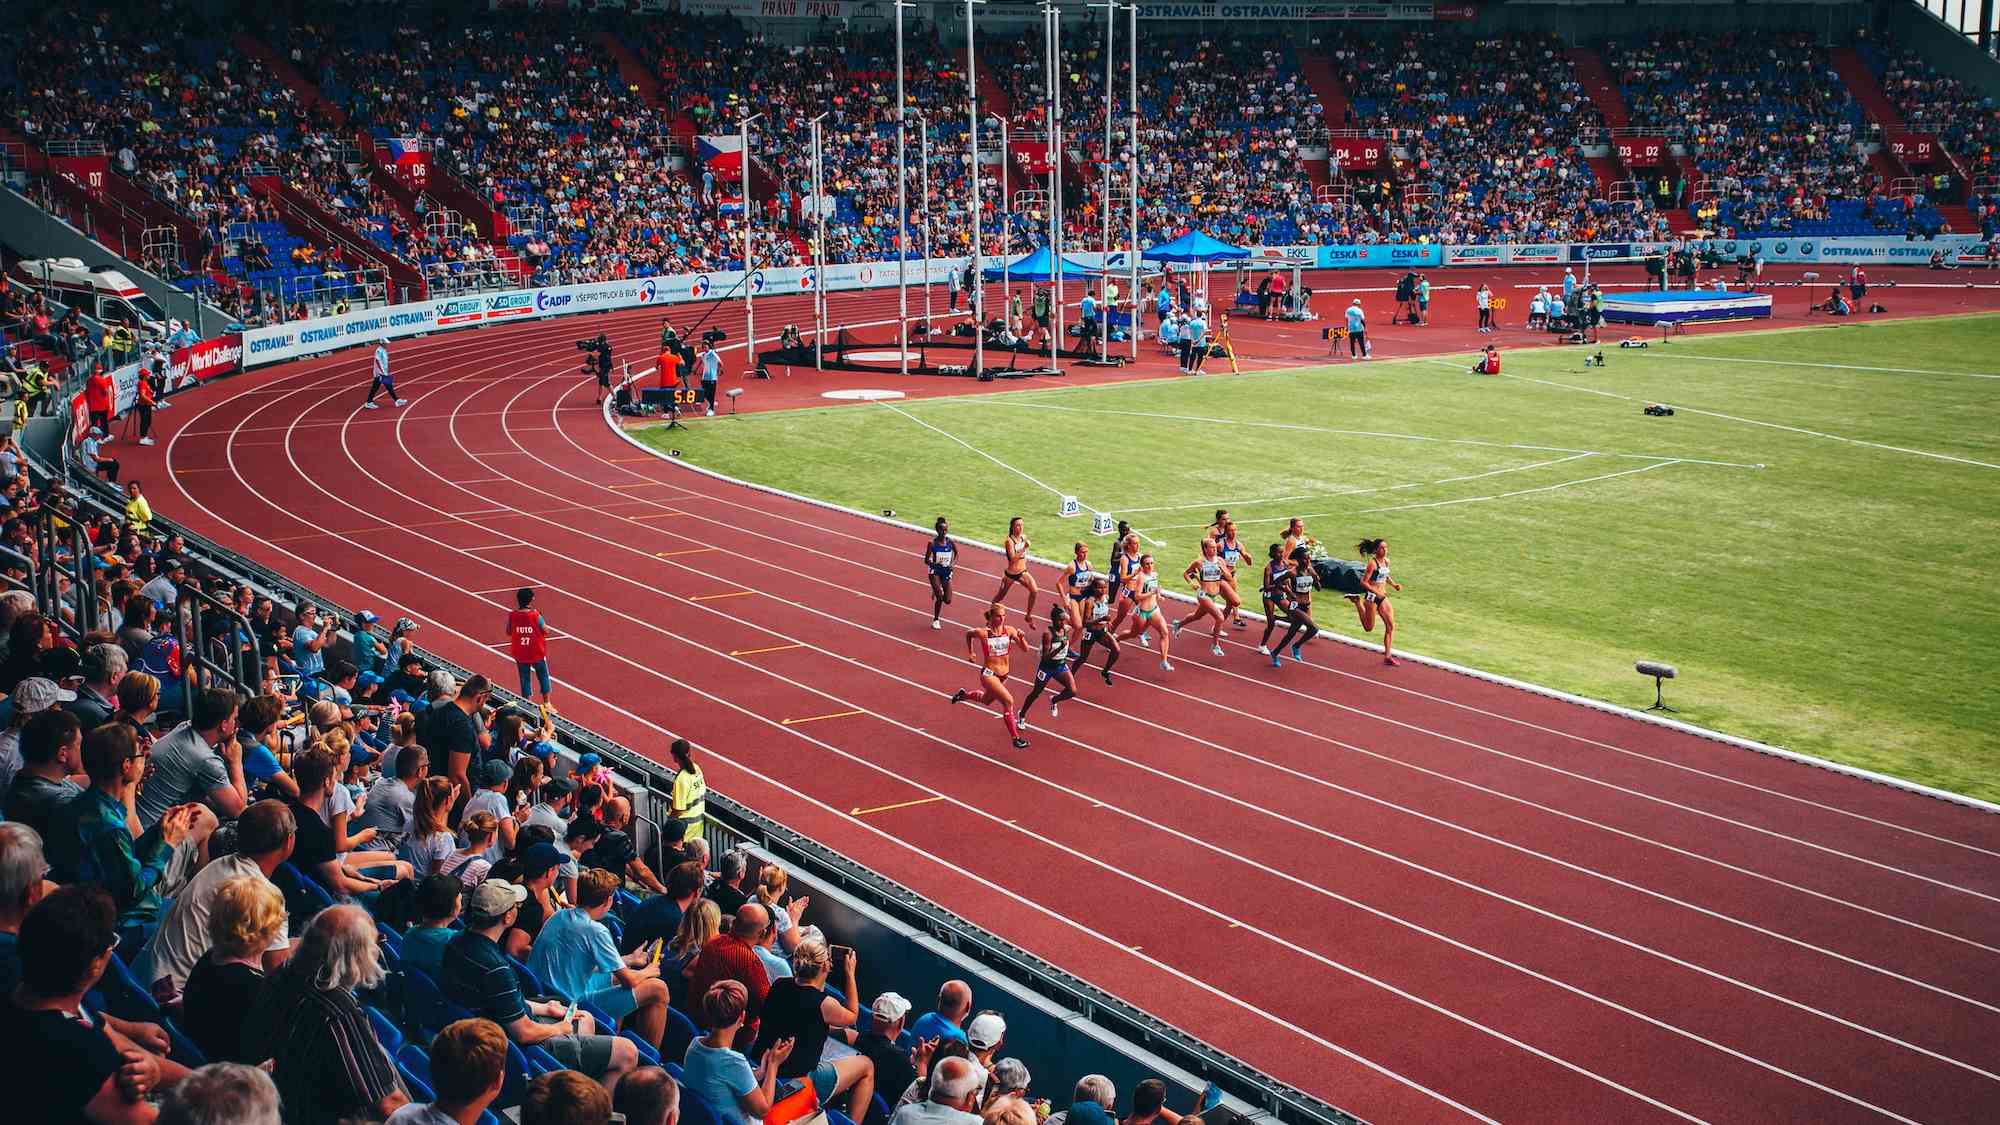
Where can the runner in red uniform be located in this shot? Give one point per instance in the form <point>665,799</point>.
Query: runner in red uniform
<point>988,647</point>
<point>528,641</point>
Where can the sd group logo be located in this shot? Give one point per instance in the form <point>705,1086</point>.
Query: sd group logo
<point>461,311</point>
<point>509,305</point>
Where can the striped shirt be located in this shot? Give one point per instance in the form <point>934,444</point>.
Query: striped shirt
<point>330,1066</point>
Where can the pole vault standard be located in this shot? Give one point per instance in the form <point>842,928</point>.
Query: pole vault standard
<point>1104,200</point>
<point>902,209</point>
<point>977,290</point>
<point>1132,161</point>
<point>1052,74</point>
<point>924,169</point>
<point>819,246</point>
<point>749,231</point>
<point>1006,229</point>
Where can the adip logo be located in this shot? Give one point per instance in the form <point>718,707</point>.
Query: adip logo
<point>649,290</point>
<point>549,302</point>
<point>699,287</point>
<point>807,281</point>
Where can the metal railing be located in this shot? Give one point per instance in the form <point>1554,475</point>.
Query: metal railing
<point>74,146</point>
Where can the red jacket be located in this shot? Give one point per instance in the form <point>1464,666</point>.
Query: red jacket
<point>100,393</point>
<point>526,638</point>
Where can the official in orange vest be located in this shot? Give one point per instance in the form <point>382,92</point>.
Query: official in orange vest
<point>528,641</point>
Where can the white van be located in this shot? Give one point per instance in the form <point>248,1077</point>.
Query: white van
<point>98,292</point>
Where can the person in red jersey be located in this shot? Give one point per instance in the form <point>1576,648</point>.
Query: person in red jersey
<point>528,641</point>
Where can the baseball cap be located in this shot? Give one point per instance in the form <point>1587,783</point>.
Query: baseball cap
<point>587,762</point>
<point>361,754</point>
<point>37,694</point>
<point>985,1030</point>
<point>494,773</point>
<point>539,858</point>
<point>494,898</point>
<point>890,1007</point>
<point>545,749</point>
<point>170,564</point>
<point>365,617</point>
<point>556,788</point>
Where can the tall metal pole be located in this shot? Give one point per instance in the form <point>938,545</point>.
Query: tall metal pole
<point>1056,164</point>
<point>1051,68</point>
<point>1006,230</point>
<point>1132,159</point>
<point>749,231</point>
<point>977,290</point>
<point>1104,202</point>
<point>819,248</point>
<point>902,209</point>
<point>924,170</point>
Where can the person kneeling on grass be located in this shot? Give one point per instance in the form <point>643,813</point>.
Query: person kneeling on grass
<point>1488,362</point>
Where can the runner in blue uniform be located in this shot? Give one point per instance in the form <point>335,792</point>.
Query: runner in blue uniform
<point>1076,587</point>
<point>1097,628</point>
<point>1054,666</point>
<point>939,555</point>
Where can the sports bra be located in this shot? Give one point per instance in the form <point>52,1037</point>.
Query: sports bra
<point>1211,570</point>
<point>1148,583</point>
<point>1302,585</point>
<point>1080,575</point>
<point>1100,609</point>
<point>995,646</point>
<point>1231,552</point>
<point>1058,650</point>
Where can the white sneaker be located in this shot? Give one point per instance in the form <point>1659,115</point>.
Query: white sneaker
<point>1021,721</point>
<point>1145,640</point>
<point>370,406</point>
<point>402,402</point>
<point>1166,667</point>
<point>936,624</point>
<point>1263,650</point>
<point>147,441</point>
<point>711,412</point>
<point>1177,629</point>
<point>1052,709</point>
<point>1216,649</point>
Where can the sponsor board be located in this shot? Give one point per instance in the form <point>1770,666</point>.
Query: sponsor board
<point>1538,253</point>
<point>1474,255</point>
<point>460,310</point>
<point>506,306</point>
<point>1379,255</point>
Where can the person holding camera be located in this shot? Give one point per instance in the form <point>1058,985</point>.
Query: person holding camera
<point>802,1009</point>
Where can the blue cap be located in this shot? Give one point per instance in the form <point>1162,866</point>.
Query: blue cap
<point>545,749</point>
<point>540,857</point>
<point>361,754</point>
<point>589,762</point>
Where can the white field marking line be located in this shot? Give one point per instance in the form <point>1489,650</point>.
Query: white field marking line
<point>1060,918</point>
<point>1827,366</point>
<point>1059,493</point>
<point>1300,427</point>
<point>1341,492</point>
<point>1773,880</point>
<point>1677,405</point>
<point>1519,491</point>
<point>1135,817</point>
<point>1239,753</point>
<point>1456,704</point>
<point>1086,858</point>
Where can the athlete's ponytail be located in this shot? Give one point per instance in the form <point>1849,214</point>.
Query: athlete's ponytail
<point>1368,547</point>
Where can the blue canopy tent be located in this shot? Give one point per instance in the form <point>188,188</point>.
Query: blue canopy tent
<point>1037,267</point>
<point>1195,248</point>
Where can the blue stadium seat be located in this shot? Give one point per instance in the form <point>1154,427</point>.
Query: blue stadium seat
<point>680,1032</point>
<point>390,1035</point>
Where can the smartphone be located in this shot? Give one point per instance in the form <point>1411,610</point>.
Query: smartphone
<point>839,953</point>
<point>659,947</point>
<point>571,1014</point>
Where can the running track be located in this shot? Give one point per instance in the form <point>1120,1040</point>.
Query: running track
<point>1419,895</point>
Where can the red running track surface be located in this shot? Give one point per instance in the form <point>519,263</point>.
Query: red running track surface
<point>1420,895</point>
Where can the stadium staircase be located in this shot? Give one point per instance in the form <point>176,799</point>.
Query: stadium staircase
<point>1610,104</point>
<point>118,212</point>
<point>992,95</point>
<point>1336,108</point>
<point>1867,89</point>
<point>639,77</point>
<point>334,238</point>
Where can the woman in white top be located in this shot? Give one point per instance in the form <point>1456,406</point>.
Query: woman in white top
<point>429,841</point>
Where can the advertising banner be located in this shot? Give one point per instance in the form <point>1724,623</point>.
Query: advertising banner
<point>1309,13</point>
<point>1475,255</point>
<point>1538,253</point>
<point>1380,255</point>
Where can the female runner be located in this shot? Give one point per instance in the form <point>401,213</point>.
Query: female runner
<point>1097,628</point>
<point>1295,536</point>
<point>939,555</point>
<point>1211,578</point>
<point>995,640</point>
<point>1376,581</point>
<point>1016,546</point>
<point>1076,584</point>
<point>1232,557</point>
<point>1277,575</point>
<point>1146,615</point>
<point>1124,564</point>
<point>1054,666</point>
<point>1299,592</point>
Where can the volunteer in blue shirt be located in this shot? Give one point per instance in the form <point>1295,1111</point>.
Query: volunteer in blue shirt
<point>383,381</point>
<point>1357,331</point>
<point>711,374</point>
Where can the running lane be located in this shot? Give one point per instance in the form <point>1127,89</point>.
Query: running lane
<point>1418,895</point>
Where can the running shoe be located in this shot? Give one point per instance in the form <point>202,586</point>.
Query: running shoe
<point>936,624</point>
<point>1239,623</point>
<point>1107,679</point>
<point>1052,708</point>
<point>147,441</point>
<point>958,696</point>
<point>1021,721</point>
<point>1392,662</point>
<point>1297,655</point>
<point>1020,744</point>
<point>1145,640</point>
<point>1216,649</point>
<point>1177,629</point>
<point>711,412</point>
<point>402,402</point>
<point>1277,661</point>
<point>370,406</point>
<point>1263,650</point>
<point>1165,666</point>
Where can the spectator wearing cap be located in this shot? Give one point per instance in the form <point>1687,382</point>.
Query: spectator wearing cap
<point>408,677</point>
<point>165,588</point>
<point>648,1096</point>
<point>802,1009</point>
<point>615,850</point>
<point>552,804</point>
<point>591,770</point>
<point>954,1094</point>
<point>954,1003</point>
<point>84,1067</point>
<point>371,655</point>
<point>103,666</point>
<point>222,1092</point>
<point>391,807</point>
<point>90,840</point>
<point>1007,1095</point>
<point>658,917</point>
<point>564,1097</point>
<point>91,452</point>
<point>540,864</point>
<point>246,919</point>
<point>984,1035</point>
<point>731,956</point>
<point>492,798</point>
<point>51,760</point>
<point>879,1044</point>
<point>476,974</point>
<point>264,835</point>
<point>328,1065</point>
<point>438,902</point>
<point>31,697</point>
<point>727,887</point>
<point>576,956</point>
<point>719,1074</point>
<point>468,1068</point>
<point>199,760</point>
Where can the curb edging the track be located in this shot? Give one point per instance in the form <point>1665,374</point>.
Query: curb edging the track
<point>1737,741</point>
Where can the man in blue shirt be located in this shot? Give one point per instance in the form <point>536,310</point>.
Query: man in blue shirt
<point>1357,331</point>
<point>90,840</point>
<point>954,1003</point>
<point>575,956</point>
<point>711,374</point>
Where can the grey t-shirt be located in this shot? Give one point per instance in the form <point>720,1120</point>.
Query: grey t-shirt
<point>182,768</point>
<point>390,810</point>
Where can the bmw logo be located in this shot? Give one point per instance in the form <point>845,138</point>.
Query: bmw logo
<point>1805,247</point>
<point>1780,247</point>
